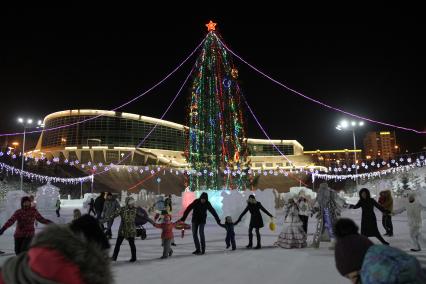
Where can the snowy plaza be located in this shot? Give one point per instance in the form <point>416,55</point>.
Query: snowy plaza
<point>267,265</point>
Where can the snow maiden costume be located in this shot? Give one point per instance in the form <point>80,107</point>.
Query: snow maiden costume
<point>293,235</point>
<point>328,206</point>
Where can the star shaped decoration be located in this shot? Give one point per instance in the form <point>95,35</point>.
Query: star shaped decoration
<point>211,26</point>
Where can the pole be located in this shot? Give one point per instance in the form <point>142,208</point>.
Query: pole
<point>93,180</point>
<point>23,158</point>
<point>158,184</point>
<point>355,163</point>
<point>81,190</point>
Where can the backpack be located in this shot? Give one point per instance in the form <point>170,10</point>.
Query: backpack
<point>387,265</point>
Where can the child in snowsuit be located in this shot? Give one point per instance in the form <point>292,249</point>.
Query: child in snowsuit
<point>76,214</point>
<point>414,216</point>
<point>166,234</point>
<point>230,233</point>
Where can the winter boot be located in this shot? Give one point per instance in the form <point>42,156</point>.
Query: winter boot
<point>250,244</point>
<point>258,246</point>
<point>115,254</point>
<point>196,251</point>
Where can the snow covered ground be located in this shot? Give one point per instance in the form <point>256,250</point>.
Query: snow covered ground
<point>268,265</point>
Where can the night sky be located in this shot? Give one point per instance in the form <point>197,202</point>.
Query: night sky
<point>99,59</point>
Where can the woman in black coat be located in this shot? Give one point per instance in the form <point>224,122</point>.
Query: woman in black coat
<point>256,221</point>
<point>368,219</point>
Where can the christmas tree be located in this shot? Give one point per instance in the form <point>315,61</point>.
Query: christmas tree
<point>216,143</point>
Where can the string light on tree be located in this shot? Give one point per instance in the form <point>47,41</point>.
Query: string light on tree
<point>216,135</point>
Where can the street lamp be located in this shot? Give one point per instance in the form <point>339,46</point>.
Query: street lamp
<point>344,124</point>
<point>26,123</point>
<point>158,183</point>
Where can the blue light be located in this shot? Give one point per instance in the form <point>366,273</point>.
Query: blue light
<point>215,198</point>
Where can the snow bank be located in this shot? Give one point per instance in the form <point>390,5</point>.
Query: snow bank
<point>12,203</point>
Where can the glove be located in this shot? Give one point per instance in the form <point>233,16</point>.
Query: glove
<point>1,232</point>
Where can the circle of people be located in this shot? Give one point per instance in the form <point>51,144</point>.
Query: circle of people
<point>86,249</point>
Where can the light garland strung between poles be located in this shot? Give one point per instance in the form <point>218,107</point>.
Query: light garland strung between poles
<point>43,178</point>
<point>317,101</point>
<point>337,170</point>
<point>157,169</point>
<point>370,175</point>
<point>116,108</point>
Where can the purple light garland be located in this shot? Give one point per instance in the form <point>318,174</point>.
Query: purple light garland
<point>317,101</point>
<point>114,109</point>
<point>263,130</point>
<point>29,174</point>
<point>156,124</point>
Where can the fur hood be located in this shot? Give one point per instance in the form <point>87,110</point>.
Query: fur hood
<point>92,261</point>
<point>59,254</point>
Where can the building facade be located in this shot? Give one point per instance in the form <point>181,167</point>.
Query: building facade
<point>109,136</point>
<point>380,145</point>
<point>331,158</point>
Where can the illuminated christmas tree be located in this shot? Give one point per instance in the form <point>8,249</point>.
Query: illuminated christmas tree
<point>216,143</point>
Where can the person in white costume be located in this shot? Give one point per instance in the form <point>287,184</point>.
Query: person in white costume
<point>414,215</point>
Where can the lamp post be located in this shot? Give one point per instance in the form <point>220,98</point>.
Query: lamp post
<point>352,126</point>
<point>26,123</point>
<point>158,184</point>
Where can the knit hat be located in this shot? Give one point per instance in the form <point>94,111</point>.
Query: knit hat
<point>205,196</point>
<point>24,199</point>
<point>252,196</point>
<point>349,253</point>
<point>345,227</point>
<point>91,230</point>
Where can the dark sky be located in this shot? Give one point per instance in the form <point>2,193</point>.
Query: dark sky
<point>375,67</point>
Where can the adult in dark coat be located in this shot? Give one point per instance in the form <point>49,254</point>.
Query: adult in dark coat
<point>256,221</point>
<point>199,216</point>
<point>99,205</point>
<point>368,219</point>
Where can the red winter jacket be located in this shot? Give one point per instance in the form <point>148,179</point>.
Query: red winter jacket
<point>167,233</point>
<point>25,218</point>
